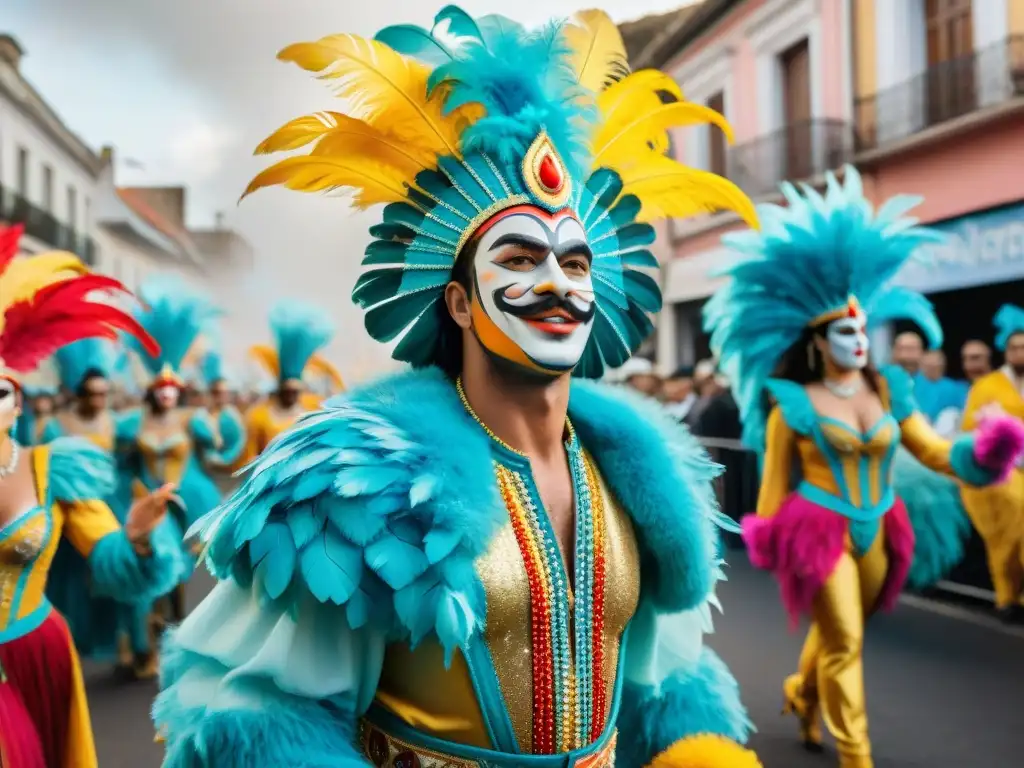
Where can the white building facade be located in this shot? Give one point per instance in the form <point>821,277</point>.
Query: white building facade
<point>48,175</point>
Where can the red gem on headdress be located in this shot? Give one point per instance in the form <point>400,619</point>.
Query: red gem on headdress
<point>549,174</point>
<point>852,311</point>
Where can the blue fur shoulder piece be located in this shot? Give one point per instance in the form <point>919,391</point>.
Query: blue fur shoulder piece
<point>901,392</point>
<point>381,503</point>
<point>79,470</point>
<point>794,403</point>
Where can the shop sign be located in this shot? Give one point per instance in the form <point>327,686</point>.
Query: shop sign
<point>982,249</point>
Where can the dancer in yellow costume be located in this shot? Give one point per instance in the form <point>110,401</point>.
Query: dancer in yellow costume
<point>53,492</point>
<point>299,330</point>
<point>840,543</point>
<point>485,560</point>
<point>998,512</point>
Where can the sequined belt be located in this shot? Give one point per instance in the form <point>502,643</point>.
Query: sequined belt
<point>385,750</point>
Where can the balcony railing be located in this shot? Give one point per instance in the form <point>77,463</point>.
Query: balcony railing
<point>941,93</point>
<point>44,226</point>
<point>799,151</point>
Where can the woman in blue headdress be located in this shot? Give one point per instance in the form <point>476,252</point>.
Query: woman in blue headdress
<point>791,330</point>
<point>478,561</point>
<point>212,377</point>
<point>162,441</point>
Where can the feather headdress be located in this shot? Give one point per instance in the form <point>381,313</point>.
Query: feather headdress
<point>448,127</point>
<point>51,300</point>
<point>805,267</point>
<point>322,367</point>
<point>174,314</point>
<point>77,359</point>
<point>300,331</point>
<point>1009,321</point>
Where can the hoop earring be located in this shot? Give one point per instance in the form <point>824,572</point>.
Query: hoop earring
<point>810,355</point>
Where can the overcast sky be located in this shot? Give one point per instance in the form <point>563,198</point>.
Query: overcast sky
<point>188,87</point>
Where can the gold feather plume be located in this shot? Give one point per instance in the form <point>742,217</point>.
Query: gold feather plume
<point>618,145</point>
<point>669,189</point>
<point>267,357</point>
<point>394,130</point>
<point>598,54</point>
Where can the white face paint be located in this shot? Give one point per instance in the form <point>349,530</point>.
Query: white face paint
<point>848,342</point>
<point>533,282</point>
<point>8,405</point>
<point>167,395</point>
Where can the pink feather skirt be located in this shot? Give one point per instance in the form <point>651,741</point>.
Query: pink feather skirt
<point>803,541</point>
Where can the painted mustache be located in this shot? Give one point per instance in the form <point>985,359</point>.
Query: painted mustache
<point>548,303</point>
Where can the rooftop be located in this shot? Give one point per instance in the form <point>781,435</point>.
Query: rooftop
<point>639,33</point>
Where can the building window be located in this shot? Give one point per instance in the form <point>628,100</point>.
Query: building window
<point>47,189</point>
<point>950,30</point>
<point>950,82</point>
<point>22,172</point>
<point>72,208</point>
<point>716,138</point>
<point>796,135</point>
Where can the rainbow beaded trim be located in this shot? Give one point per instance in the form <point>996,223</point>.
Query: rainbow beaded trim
<point>570,702</point>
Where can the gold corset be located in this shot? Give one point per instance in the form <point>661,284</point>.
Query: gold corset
<point>165,455</point>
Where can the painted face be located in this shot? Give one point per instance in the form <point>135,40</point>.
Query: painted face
<point>848,342</point>
<point>8,405</point>
<point>167,396</point>
<point>533,303</point>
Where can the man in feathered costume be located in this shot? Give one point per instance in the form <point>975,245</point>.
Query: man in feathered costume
<point>480,561</point>
<point>791,329</point>
<point>998,512</point>
<point>300,330</point>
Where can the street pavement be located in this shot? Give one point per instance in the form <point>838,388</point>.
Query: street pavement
<point>944,685</point>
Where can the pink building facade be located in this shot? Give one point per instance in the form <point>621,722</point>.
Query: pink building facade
<point>809,85</point>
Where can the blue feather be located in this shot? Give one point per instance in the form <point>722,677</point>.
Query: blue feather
<point>1009,320</point>
<point>80,471</point>
<point>78,358</point>
<point>300,331</point>
<point>174,314</point>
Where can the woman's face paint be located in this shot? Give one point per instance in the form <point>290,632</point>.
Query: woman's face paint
<point>848,342</point>
<point>534,301</point>
<point>8,405</point>
<point>167,396</point>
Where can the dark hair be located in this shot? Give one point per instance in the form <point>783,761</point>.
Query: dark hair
<point>92,373</point>
<point>449,341</point>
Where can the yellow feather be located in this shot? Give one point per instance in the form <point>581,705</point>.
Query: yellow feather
<point>619,145</point>
<point>373,181</point>
<point>383,88</point>
<point>668,189</point>
<point>638,94</point>
<point>267,357</point>
<point>598,54</point>
<point>354,137</point>
<point>26,276</point>
<point>299,132</point>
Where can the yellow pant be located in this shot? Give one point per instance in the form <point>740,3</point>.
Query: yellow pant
<point>831,667</point>
<point>998,515</point>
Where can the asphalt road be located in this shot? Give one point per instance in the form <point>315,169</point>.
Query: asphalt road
<point>944,686</point>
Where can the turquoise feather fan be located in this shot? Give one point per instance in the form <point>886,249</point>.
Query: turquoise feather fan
<point>300,331</point>
<point>78,358</point>
<point>807,260</point>
<point>1009,320</point>
<point>174,314</point>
